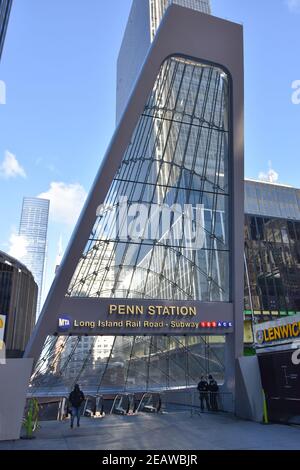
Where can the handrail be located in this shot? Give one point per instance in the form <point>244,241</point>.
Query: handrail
<point>99,398</point>
<point>149,396</point>
<point>62,408</point>
<point>120,397</point>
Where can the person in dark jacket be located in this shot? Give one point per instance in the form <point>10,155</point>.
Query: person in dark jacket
<point>213,389</point>
<point>76,398</point>
<point>203,393</point>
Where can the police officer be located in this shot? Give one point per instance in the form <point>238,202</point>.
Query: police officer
<point>213,389</point>
<point>203,393</point>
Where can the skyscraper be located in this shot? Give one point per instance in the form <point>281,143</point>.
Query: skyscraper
<point>5,7</point>
<point>33,228</point>
<point>144,19</point>
<point>192,91</point>
<point>272,249</point>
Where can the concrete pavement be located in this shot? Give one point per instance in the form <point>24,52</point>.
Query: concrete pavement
<point>170,431</point>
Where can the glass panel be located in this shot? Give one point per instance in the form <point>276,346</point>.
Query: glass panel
<point>273,262</point>
<point>167,210</point>
<point>117,364</point>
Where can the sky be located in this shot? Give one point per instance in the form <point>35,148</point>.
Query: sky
<point>59,69</point>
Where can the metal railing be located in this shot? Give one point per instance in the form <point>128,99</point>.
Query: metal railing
<point>188,400</point>
<point>211,402</point>
<point>121,404</point>
<point>63,409</point>
<point>150,403</point>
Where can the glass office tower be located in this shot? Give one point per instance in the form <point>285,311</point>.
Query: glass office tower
<point>272,249</point>
<point>144,19</point>
<point>158,8</point>
<point>5,7</point>
<point>33,227</point>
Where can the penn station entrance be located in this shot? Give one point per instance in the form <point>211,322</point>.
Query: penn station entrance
<point>130,358</point>
<point>154,365</point>
<point>149,296</point>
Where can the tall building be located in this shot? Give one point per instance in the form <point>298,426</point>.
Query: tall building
<point>272,250</point>
<point>5,7</point>
<point>144,19</point>
<point>18,299</point>
<point>33,227</point>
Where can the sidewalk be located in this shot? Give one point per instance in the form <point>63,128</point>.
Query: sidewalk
<point>172,431</point>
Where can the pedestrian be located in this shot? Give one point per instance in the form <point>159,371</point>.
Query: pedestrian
<point>76,398</point>
<point>213,389</point>
<point>203,393</point>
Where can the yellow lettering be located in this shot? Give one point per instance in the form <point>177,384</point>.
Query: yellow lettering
<point>284,331</point>
<point>112,309</point>
<point>151,310</point>
<point>166,311</point>
<point>276,333</point>
<point>271,334</point>
<point>295,329</point>
<point>266,338</point>
<point>184,311</point>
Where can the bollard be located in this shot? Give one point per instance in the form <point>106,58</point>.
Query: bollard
<point>265,417</point>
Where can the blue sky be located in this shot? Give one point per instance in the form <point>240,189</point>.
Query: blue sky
<point>59,66</point>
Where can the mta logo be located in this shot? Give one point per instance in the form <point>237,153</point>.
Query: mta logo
<point>64,323</point>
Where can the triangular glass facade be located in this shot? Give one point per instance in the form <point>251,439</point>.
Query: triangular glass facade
<point>178,155</point>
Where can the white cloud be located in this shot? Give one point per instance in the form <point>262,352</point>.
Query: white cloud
<point>18,246</point>
<point>10,167</point>
<point>66,201</point>
<point>293,5</point>
<point>271,175</point>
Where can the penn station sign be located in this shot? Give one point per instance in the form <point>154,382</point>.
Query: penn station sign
<point>153,310</point>
<point>128,318</point>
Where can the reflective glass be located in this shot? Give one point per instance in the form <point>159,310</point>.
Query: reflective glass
<point>177,160</point>
<point>272,250</point>
<point>126,364</point>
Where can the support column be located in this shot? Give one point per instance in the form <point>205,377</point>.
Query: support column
<point>14,380</point>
